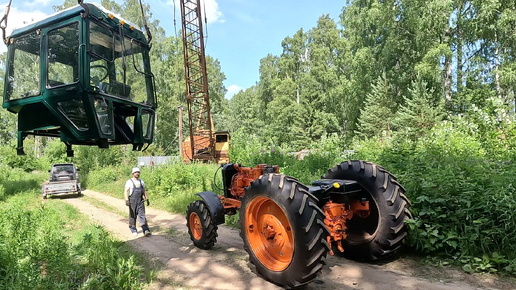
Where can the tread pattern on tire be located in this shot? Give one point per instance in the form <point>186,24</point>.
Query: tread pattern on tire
<point>393,206</point>
<point>307,221</point>
<point>209,228</point>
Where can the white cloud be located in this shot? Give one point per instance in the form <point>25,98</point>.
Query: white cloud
<point>212,11</point>
<point>17,19</point>
<point>210,8</point>
<point>35,3</point>
<point>232,90</point>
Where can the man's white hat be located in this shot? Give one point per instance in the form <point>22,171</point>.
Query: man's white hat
<point>135,169</point>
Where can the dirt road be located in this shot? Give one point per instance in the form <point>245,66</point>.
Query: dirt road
<point>183,266</point>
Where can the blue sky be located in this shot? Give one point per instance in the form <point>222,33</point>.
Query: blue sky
<point>239,32</point>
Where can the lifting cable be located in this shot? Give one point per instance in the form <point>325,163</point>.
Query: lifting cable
<point>3,22</point>
<point>175,28</point>
<point>205,24</point>
<point>149,35</point>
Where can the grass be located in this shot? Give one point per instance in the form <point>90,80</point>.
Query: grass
<point>114,188</point>
<point>49,244</point>
<point>104,206</point>
<point>174,201</point>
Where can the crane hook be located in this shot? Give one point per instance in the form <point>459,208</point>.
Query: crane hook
<point>3,22</point>
<point>149,35</point>
<point>86,9</point>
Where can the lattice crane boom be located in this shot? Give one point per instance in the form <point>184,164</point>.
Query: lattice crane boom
<point>200,122</point>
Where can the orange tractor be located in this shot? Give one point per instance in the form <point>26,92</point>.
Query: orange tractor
<point>358,208</point>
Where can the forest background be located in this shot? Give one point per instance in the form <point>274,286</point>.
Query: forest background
<point>424,88</point>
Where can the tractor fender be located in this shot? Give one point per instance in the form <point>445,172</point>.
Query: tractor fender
<point>214,205</point>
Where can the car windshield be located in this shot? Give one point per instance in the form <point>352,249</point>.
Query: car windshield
<point>63,169</point>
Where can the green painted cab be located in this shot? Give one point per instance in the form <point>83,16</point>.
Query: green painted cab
<point>82,75</point>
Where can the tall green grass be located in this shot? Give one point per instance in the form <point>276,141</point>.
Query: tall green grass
<point>171,186</point>
<point>50,246</point>
<point>16,180</point>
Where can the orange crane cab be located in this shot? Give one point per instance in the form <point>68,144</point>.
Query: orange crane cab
<point>220,152</point>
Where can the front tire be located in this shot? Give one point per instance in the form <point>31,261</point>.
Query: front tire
<point>202,229</point>
<point>381,234</point>
<point>283,230</point>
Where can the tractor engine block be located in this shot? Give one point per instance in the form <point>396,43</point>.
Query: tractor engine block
<point>246,175</point>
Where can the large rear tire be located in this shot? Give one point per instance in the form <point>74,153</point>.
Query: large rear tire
<point>381,234</point>
<point>202,230</point>
<point>283,230</point>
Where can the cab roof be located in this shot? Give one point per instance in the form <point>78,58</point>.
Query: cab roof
<point>95,10</point>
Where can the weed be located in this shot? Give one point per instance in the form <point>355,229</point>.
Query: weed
<point>48,246</point>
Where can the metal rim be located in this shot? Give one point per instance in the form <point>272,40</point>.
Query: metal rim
<point>195,225</point>
<point>269,233</point>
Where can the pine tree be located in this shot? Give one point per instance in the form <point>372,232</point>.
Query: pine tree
<point>376,117</point>
<point>422,111</point>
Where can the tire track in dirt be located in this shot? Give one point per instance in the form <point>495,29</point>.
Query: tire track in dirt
<point>183,265</point>
<point>226,266</point>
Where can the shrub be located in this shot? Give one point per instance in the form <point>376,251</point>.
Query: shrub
<point>27,163</point>
<point>177,177</point>
<point>244,147</point>
<point>104,175</point>
<point>462,193</point>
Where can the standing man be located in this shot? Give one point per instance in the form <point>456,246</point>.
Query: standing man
<point>135,196</point>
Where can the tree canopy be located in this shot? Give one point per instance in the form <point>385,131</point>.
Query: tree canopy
<point>362,75</point>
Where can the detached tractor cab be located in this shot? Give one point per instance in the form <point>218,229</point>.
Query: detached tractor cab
<point>83,75</point>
